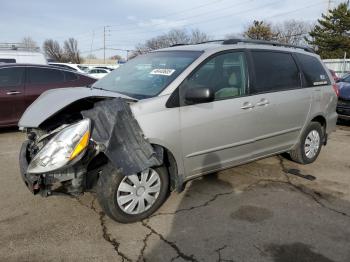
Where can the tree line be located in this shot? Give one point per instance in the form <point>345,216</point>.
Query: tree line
<point>329,37</point>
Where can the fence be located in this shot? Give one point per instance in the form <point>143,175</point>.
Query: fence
<point>340,66</point>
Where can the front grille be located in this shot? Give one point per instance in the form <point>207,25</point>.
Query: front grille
<point>342,102</point>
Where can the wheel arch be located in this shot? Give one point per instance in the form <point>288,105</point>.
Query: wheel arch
<point>172,165</point>
<point>320,119</point>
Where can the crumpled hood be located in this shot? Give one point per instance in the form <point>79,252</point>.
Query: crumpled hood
<point>344,90</point>
<point>54,100</point>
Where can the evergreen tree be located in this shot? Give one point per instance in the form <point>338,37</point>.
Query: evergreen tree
<point>331,36</point>
<point>260,30</point>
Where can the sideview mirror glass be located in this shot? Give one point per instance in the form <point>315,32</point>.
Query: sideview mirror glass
<point>199,95</point>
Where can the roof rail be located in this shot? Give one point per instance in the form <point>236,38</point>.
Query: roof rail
<point>210,41</point>
<point>264,42</point>
<point>177,45</point>
<point>17,46</point>
<point>199,43</point>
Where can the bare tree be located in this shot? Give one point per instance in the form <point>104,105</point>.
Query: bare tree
<point>198,36</point>
<point>91,56</point>
<point>71,51</point>
<point>173,37</point>
<point>53,50</point>
<point>292,32</point>
<point>116,57</point>
<point>29,43</point>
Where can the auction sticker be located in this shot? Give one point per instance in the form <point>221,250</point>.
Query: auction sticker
<point>162,71</point>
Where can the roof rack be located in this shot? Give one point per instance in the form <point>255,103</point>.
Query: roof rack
<point>17,46</point>
<point>264,42</point>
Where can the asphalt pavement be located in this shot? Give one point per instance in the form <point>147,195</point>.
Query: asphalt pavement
<point>269,210</point>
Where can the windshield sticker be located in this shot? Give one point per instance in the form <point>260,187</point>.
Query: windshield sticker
<point>162,71</point>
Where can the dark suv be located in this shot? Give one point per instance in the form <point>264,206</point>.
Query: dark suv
<point>21,84</point>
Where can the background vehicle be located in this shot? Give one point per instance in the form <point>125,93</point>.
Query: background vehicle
<point>202,108</point>
<point>343,107</point>
<point>19,56</point>
<point>73,67</point>
<point>98,72</point>
<point>334,75</point>
<point>21,84</point>
<point>344,79</point>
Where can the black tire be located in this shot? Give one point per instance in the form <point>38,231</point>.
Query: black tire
<point>107,187</point>
<point>298,153</point>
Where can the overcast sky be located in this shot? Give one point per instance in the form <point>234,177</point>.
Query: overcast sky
<point>133,21</point>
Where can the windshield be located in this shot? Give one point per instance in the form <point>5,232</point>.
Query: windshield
<point>346,78</point>
<point>147,75</point>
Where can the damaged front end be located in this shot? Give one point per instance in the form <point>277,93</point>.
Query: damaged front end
<point>68,159</point>
<point>59,156</point>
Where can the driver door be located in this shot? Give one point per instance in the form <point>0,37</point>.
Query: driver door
<point>217,134</point>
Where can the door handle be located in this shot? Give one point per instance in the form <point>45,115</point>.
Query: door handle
<point>263,102</point>
<point>247,105</point>
<point>11,93</point>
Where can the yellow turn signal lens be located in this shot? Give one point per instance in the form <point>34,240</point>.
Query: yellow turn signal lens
<point>83,143</point>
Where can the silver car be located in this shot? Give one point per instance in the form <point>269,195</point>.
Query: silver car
<point>175,114</point>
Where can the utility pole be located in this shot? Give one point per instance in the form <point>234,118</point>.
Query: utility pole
<point>104,42</point>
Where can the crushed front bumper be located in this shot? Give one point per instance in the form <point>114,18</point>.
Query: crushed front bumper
<point>31,181</point>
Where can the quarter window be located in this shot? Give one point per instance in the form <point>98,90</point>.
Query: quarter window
<point>314,73</point>
<point>70,76</point>
<point>11,76</point>
<point>225,74</point>
<point>44,75</point>
<point>274,71</point>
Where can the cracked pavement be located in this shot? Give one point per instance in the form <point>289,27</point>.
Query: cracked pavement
<point>269,210</point>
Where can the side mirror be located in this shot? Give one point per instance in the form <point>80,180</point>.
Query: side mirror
<point>199,95</point>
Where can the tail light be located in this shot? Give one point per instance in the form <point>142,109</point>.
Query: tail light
<point>336,89</point>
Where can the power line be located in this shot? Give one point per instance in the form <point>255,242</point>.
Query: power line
<point>174,13</point>
<point>170,14</point>
<point>137,27</point>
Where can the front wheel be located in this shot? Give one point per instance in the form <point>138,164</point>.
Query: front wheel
<point>310,144</point>
<point>134,197</point>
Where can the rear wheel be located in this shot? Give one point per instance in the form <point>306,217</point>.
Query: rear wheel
<point>310,144</point>
<point>132,198</point>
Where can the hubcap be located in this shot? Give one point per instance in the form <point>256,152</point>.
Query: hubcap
<point>137,193</point>
<point>312,144</point>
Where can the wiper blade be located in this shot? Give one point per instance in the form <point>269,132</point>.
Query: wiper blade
<point>99,88</point>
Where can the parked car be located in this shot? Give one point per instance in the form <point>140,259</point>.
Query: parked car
<point>98,72</point>
<point>73,67</point>
<point>21,84</point>
<point>20,56</point>
<point>173,115</point>
<point>343,107</point>
<point>334,75</point>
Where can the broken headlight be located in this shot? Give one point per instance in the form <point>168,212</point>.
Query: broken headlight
<point>63,148</point>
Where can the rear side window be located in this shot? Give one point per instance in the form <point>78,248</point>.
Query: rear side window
<point>274,71</point>
<point>38,75</point>
<point>314,73</point>
<point>70,76</point>
<point>11,76</point>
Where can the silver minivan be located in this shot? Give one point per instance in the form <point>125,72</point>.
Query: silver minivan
<point>172,115</point>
